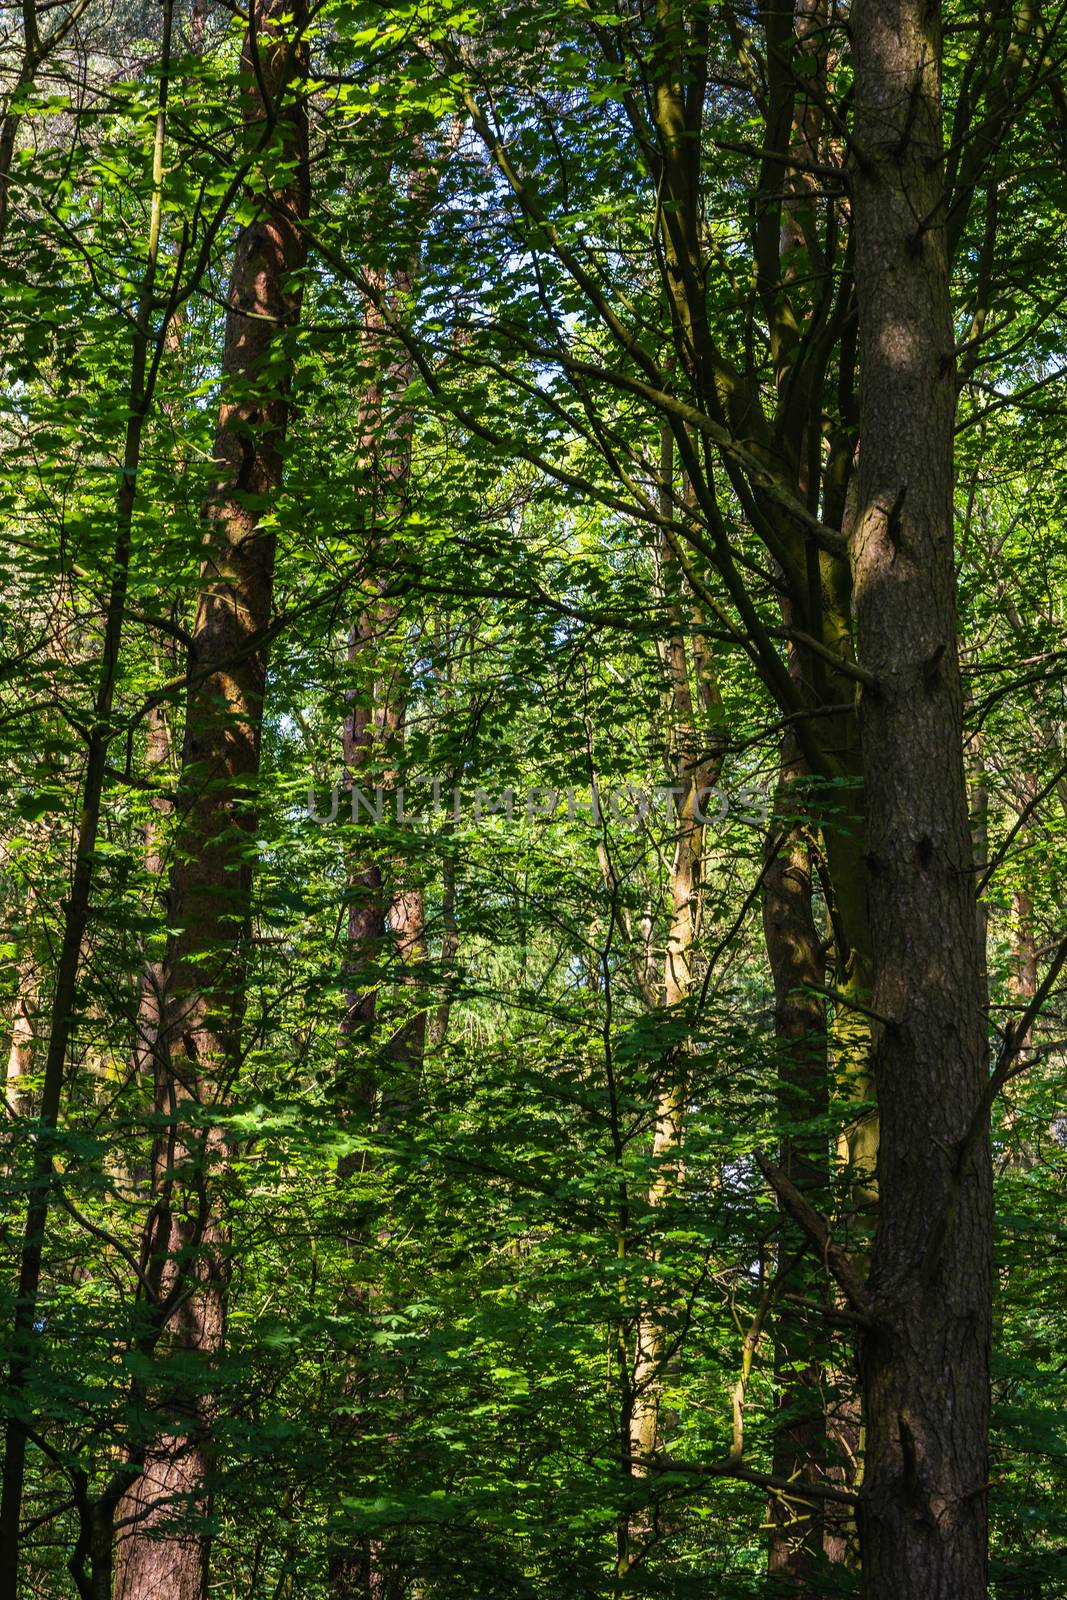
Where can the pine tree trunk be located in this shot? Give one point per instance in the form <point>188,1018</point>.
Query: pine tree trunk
<point>161,1549</point>
<point>925,1365</point>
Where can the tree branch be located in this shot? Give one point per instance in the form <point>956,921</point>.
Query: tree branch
<point>820,1233</point>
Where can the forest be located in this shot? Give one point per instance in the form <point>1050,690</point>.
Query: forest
<point>533,961</point>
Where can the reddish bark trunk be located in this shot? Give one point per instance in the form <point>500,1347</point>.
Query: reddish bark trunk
<point>163,1543</point>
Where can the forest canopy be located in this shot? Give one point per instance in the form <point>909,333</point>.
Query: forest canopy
<point>533,559</point>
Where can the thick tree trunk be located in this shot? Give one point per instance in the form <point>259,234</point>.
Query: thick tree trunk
<point>162,1551</point>
<point>926,1361</point>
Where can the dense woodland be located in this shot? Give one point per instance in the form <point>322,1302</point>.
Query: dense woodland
<point>534,853</point>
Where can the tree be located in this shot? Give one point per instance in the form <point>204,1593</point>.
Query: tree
<point>480,1197</point>
<point>197,1052</point>
<point>926,1358</point>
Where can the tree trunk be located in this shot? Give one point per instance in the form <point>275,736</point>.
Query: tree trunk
<point>385,918</point>
<point>162,1550</point>
<point>23,1032</point>
<point>697,760</point>
<point>925,1364</point>
<point>799,1540</point>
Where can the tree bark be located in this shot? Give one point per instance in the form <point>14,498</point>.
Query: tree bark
<point>696,756</point>
<point>162,1549</point>
<point>925,1365</point>
<point>799,1541</point>
<point>385,914</point>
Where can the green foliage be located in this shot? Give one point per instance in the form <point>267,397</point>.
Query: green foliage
<point>432,1270</point>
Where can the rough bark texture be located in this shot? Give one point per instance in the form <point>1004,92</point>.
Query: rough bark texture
<point>926,1363</point>
<point>163,1546</point>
